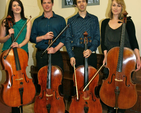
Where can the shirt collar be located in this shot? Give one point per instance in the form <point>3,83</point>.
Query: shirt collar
<point>87,15</point>
<point>54,15</point>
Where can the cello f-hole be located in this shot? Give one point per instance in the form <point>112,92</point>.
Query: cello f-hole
<point>56,96</point>
<point>111,79</point>
<point>128,85</point>
<point>10,85</point>
<point>41,97</point>
<point>27,81</point>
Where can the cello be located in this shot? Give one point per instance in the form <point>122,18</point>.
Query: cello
<point>49,78</point>
<point>85,101</point>
<point>18,89</point>
<point>117,90</point>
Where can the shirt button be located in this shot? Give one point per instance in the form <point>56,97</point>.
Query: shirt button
<point>80,42</point>
<point>71,41</point>
<point>90,41</point>
<point>81,38</point>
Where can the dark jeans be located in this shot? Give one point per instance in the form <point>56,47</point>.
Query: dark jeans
<point>80,60</point>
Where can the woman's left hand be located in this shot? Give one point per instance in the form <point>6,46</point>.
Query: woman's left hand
<point>15,44</point>
<point>138,64</point>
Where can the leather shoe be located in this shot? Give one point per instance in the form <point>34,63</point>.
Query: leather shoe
<point>111,111</point>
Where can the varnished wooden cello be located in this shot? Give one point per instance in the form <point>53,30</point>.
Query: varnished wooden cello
<point>18,89</point>
<point>50,78</point>
<point>117,90</point>
<point>49,99</point>
<point>85,101</point>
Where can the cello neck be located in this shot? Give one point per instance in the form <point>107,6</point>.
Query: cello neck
<point>120,57</point>
<point>49,72</point>
<point>10,25</point>
<point>86,81</point>
<point>17,62</point>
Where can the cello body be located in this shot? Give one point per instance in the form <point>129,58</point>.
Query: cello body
<point>85,100</point>
<point>117,90</point>
<point>49,100</point>
<point>50,78</point>
<point>88,102</point>
<point>18,89</point>
<point>127,96</point>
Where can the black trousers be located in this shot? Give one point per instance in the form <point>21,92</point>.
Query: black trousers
<point>80,60</point>
<point>15,110</point>
<point>56,59</point>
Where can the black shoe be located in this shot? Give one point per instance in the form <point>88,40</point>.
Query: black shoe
<point>121,110</point>
<point>111,111</point>
<point>66,111</point>
<point>15,110</point>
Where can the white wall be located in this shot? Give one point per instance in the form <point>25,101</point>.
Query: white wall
<point>2,15</point>
<point>33,8</point>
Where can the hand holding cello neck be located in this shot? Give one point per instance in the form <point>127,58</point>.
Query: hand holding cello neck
<point>10,24</point>
<point>55,39</point>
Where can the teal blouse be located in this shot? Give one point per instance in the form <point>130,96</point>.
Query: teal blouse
<point>17,27</point>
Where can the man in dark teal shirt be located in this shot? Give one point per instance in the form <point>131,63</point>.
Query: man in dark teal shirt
<point>46,27</point>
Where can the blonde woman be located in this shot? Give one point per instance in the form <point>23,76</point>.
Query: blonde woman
<point>111,34</point>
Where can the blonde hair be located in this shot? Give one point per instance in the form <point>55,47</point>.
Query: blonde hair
<point>122,3</point>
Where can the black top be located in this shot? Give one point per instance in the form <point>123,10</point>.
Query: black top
<point>130,30</point>
<point>113,37</point>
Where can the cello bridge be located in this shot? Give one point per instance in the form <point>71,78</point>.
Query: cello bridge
<point>19,79</point>
<point>86,98</point>
<point>118,80</point>
<point>49,95</point>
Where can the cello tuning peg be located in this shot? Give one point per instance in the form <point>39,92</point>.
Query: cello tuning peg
<point>30,16</point>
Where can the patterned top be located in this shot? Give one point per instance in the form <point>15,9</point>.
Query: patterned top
<point>77,26</point>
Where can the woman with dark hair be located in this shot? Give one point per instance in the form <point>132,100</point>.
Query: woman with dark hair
<point>16,11</point>
<point>111,34</point>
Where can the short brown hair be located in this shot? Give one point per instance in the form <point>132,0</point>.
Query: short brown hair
<point>75,2</point>
<point>51,1</point>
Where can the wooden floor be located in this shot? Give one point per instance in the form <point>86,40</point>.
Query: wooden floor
<point>26,109</point>
<point>30,109</point>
